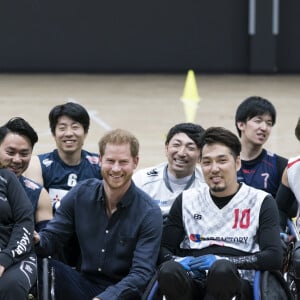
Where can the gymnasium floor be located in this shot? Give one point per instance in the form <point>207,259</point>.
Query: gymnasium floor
<point>148,105</point>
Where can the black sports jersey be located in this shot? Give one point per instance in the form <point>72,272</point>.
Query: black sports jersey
<point>263,172</point>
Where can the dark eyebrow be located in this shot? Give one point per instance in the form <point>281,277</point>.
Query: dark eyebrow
<point>219,156</point>
<point>182,142</point>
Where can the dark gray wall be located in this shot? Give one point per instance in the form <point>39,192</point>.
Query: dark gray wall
<point>133,36</point>
<point>288,44</point>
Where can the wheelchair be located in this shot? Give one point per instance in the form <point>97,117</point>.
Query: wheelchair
<point>288,272</point>
<point>267,285</point>
<point>44,287</point>
<point>292,268</point>
<point>263,287</point>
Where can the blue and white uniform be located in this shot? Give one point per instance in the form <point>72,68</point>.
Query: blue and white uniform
<point>157,182</point>
<point>32,189</point>
<point>263,172</point>
<point>59,177</point>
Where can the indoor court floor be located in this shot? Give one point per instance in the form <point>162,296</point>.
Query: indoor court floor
<point>148,105</point>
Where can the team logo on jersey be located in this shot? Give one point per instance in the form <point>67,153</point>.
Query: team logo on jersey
<point>270,153</point>
<point>164,202</point>
<point>218,240</point>
<point>28,266</point>
<point>152,172</point>
<point>3,198</point>
<point>197,216</point>
<point>56,194</point>
<point>47,162</point>
<point>31,185</point>
<point>92,159</point>
<point>195,237</point>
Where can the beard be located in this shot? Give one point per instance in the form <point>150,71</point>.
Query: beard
<point>124,181</point>
<point>217,188</point>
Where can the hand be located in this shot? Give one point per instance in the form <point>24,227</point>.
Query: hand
<point>2,269</point>
<point>285,237</point>
<point>203,262</point>
<point>36,237</point>
<point>184,261</point>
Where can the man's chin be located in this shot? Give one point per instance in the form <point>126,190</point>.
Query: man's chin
<point>217,189</point>
<point>69,150</point>
<point>180,168</point>
<point>18,174</point>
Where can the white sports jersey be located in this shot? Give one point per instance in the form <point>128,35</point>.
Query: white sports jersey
<point>154,181</point>
<point>235,225</point>
<point>293,173</point>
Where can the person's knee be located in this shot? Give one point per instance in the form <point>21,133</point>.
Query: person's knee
<point>7,284</point>
<point>12,289</point>
<point>223,280</point>
<point>174,281</point>
<point>223,267</point>
<point>168,272</point>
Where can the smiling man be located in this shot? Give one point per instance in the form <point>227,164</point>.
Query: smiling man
<point>167,180</point>
<point>254,120</point>
<point>118,227</point>
<point>60,170</point>
<point>17,139</point>
<point>218,234</point>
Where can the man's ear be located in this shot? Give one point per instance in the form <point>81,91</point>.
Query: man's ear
<point>238,163</point>
<point>240,125</point>
<point>166,149</point>
<point>136,161</point>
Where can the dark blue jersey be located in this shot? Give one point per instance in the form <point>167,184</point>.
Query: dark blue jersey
<point>59,177</point>
<point>263,172</point>
<point>32,189</point>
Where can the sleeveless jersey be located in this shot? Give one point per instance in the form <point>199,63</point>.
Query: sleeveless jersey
<point>59,177</point>
<point>234,226</point>
<point>154,181</point>
<point>293,173</point>
<point>33,191</point>
<point>261,173</point>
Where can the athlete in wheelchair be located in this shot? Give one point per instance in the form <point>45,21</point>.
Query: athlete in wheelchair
<point>222,240</point>
<point>217,236</point>
<point>287,198</point>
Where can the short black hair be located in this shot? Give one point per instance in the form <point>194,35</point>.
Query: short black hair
<point>297,130</point>
<point>193,131</point>
<point>251,107</point>
<point>72,110</point>
<point>19,126</point>
<point>221,135</point>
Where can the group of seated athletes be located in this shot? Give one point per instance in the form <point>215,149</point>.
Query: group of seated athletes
<point>203,221</point>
